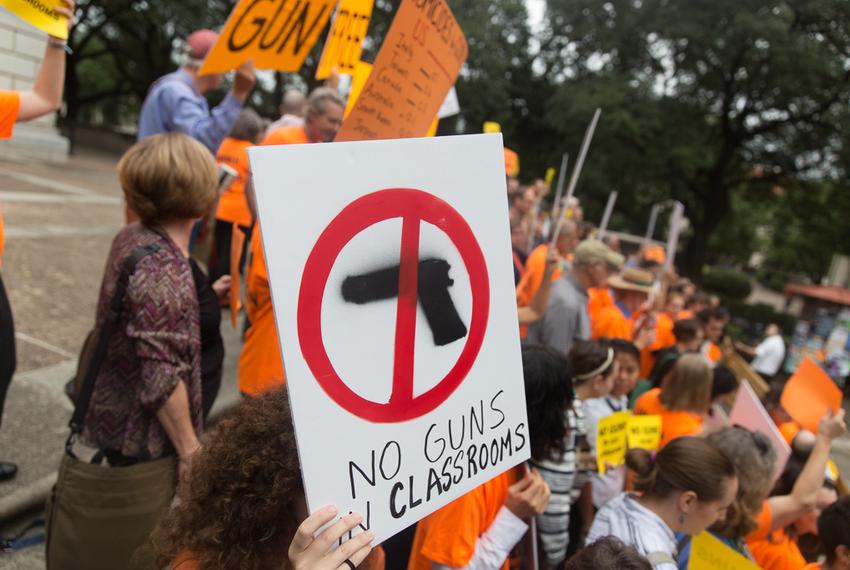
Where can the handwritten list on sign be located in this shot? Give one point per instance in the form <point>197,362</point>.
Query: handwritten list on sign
<point>415,68</point>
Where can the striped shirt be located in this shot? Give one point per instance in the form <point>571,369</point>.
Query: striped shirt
<point>565,481</point>
<point>624,518</point>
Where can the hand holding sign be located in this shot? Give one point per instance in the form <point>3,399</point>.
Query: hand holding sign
<point>311,551</point>
<point>52,16</point>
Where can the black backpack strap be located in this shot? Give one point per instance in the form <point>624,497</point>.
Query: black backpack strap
<point>113,316</point>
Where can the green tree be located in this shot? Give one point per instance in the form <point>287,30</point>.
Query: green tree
<point>697,94</point>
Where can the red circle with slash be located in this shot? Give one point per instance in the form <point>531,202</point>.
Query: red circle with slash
<point>413,207</point>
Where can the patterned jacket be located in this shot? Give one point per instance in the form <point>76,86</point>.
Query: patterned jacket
<point>156,345</point>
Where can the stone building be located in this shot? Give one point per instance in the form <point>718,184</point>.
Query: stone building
<point>21,51</point>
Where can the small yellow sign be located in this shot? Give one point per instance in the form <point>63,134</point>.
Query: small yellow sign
<point>345,40</point>
<point>40,13</point>
<point>275,34</point>
<point>358,80</point>
<point>492,127</point>
<point>550,176</point>
<point>611,440</point>
<point>708,553</point>
<point>644,432</point>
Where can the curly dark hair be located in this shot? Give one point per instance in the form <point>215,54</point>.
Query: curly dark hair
<point>548,394</point>
<point>237,508</point>
<point>608,553</point>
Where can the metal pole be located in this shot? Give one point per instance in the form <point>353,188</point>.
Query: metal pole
<point>606,217</point>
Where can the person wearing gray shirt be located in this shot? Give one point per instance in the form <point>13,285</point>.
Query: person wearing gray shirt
<point>566,319</point>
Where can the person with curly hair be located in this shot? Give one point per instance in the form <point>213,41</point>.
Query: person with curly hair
<point>608,553</point>
<point>242,502</point>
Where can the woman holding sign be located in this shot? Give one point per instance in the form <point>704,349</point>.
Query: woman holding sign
<point>685,487</point>
<point>18,106</point>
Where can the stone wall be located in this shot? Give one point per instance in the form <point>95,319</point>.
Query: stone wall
<point>21,51</point>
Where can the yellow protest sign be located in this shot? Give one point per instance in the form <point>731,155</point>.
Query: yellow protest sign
<point>345,40</point>
<point>644,432</point>
<point>418,63</point>
<point>708,553</point>
<point>550,176</point>
<point>492,127</point>
<point>611,440</point>
<point>275,34</point>
<point>432,130</point>
<point>358,80</point>
<point>39,13</point>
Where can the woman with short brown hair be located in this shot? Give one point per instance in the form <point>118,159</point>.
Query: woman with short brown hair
<point>145,409</point>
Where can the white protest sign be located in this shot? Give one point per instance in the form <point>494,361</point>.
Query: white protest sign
<point>390,272</point>
<point>450,106</point>
<point>748,412</point>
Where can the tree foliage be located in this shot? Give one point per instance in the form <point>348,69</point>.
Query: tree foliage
<point>714,104</point>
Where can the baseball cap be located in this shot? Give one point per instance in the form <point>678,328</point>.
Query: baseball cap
<point>593,251</point>
<point>655,254</point>
<point>199,44</point>
<point>633,280</point>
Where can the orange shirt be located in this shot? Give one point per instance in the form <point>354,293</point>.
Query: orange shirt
<point>789,431</point>
<point>606,318</point>
<point>535,267</point>
<point>664,338</point>
<point>449,535</point>
<point>511,163</point>
<point>288,135</point>
<point>812,566</point>
<point>233,204</point>
<point>712,352</point>
<point>674,424</point>
<point>260,363</point>
<point>774,550</point>
<point>10,106</point>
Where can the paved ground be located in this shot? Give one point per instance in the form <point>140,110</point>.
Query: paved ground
<point>59,224</point>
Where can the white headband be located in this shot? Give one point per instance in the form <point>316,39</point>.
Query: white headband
<point>600,369</point>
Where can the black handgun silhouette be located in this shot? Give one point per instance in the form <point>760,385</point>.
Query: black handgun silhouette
<point>433,293</point>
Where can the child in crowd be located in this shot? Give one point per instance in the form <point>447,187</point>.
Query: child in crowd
<point>626,369</point>
<point>685,487</point>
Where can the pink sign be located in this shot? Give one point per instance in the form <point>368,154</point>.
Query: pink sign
<point>749,413</point>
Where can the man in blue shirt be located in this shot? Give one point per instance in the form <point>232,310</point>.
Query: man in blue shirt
<point>175,102</point>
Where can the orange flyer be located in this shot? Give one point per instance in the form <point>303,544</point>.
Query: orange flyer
<point>415,68</point>
<point>809,394</point>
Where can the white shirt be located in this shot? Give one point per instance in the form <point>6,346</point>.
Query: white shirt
<point>624,518</point>
<point>769,355</point>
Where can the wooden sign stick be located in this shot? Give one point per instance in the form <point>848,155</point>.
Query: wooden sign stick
<point>585,145</point>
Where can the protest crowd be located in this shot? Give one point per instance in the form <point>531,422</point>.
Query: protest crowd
<point>607,337</point>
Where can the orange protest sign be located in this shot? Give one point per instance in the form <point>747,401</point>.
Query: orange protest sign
<point>417,65</point>
<point>345,40</point>
<point>358,80</point>
<point>237,244</point>
<point>275,34</point>
<point>809,394</point>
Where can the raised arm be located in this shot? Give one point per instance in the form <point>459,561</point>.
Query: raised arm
<point>46,94</point>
